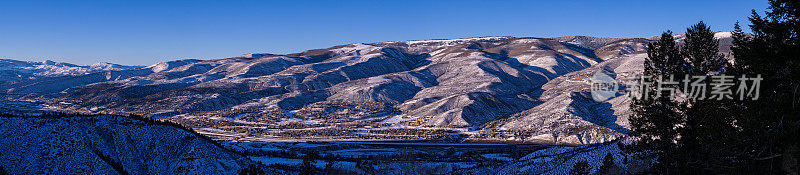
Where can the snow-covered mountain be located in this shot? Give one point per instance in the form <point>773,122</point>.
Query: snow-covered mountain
<point>13,70</point>
<point>487,88</point>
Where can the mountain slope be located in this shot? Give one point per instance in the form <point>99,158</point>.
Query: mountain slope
<point>496,85</point>
<point>108,145</point>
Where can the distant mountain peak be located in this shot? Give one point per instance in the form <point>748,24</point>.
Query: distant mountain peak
<point>31,69</point>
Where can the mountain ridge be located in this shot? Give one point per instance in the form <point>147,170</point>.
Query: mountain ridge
<point>488,85</point>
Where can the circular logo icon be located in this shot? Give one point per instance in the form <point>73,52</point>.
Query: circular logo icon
<point>603,87</point>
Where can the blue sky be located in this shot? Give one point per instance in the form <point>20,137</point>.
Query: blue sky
<point>145,32</point>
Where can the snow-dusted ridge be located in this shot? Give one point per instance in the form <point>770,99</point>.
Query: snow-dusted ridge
<point>453,41</point>
<point>51,68</point>
<point>480,89</point>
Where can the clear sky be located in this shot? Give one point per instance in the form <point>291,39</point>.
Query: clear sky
<point>145,32</point>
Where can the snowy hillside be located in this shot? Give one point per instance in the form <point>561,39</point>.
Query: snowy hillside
<point>479,89</point>
<point>560,160</point>
<point>108,145</point>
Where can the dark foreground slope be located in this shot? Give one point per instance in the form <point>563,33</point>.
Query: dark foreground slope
<point>104,144</point>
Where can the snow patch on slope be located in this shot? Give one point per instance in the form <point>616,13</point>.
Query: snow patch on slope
<point>719,35</point>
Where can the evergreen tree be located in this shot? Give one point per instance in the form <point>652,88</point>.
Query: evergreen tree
<point>655,120</point>
<point>664,57</point>
<point>770,125</point>
<point>308,163</point>
<point>330,161</point>
<point>701,49</point>
<point>708,126</point>
<point>608,166</point>
<point>580,168</point>
<point>252,170</point>
<point>689,136</point>
<point>727,136</point>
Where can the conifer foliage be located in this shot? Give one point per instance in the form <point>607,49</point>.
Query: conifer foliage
<point>608,167</point>
<point>770,125</point>
<point>756,135</point>
<point>580,168</point>
<point>655,119</point>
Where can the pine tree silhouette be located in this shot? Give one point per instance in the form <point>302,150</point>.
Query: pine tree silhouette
<point>608,166</point>
<point>580,168</point>
<point>654,119</point>
<point>769,126</point>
